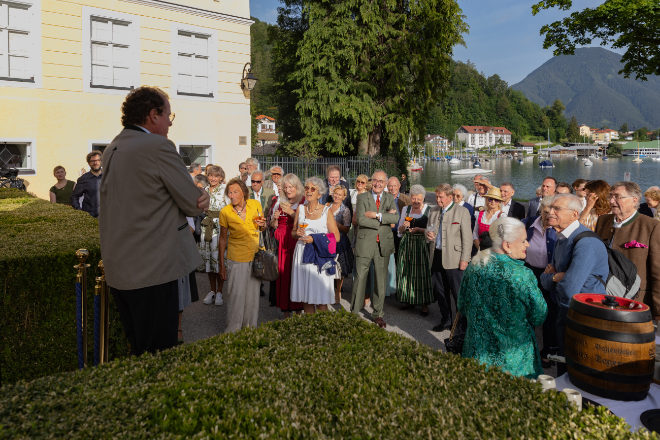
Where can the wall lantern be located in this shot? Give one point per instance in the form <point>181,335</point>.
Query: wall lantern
<point>248,81</point>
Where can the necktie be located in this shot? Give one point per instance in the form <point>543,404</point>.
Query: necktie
<point>438,235</point>
<point>377,208</point>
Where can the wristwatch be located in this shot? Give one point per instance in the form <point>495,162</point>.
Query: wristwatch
<point>553,278</point>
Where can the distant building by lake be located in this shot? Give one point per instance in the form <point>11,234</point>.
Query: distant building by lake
<point>482,136</point>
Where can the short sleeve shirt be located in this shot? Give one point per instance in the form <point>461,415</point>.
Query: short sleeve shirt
<point>243,240</point>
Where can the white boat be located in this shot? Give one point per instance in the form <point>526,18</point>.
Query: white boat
<point>454,161</point>
<point>588,163</point>
<point>656,159</point>
<point>468,171</point>
<point>638,160</point>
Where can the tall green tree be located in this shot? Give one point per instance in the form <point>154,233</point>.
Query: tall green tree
<point>262,97</point>
<point>292,22</point>
<point>632,25</point>
<point>624,128</point>
<point>573,131</point>
<point>370,71</point>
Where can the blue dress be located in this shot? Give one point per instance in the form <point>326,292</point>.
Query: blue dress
<point>502,304</point>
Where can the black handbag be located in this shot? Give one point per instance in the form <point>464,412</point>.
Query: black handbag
<point>264,265</point>
<point>454,344</point>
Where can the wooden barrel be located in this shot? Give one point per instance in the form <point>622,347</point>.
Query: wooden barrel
<point>610,346</point>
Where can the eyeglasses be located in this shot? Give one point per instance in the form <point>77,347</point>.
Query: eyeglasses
<point>559,208</point>
<point>492,200</point>
<point>310,188</point>
<point>618,197</point>
<point>360,181</point>
<point>256,181</point>
<point>172,116</point>
<point>275,174</point>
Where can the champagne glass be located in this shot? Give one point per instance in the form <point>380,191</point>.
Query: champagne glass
<point>432,228</point>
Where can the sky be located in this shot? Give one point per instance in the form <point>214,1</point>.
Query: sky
<point>503,38</point>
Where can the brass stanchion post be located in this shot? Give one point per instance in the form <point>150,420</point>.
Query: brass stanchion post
<point>81,305</point>
<point>101,289</point>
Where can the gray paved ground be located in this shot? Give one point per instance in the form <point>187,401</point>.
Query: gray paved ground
<point>201,321</point>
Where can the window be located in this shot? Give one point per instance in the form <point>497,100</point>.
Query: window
<point>99,147</point>
<point>16,155</point>
<point>110,51</point>
<point>195,154</point>
<point>19,41</point>
<point>193,64</point>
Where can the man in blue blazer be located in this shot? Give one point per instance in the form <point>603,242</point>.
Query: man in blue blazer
<point>574,268</point>
<point>548,188</point>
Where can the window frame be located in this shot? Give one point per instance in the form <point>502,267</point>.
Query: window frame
<point>209,148</point>
<point>133,54</point>
<point>31,153</point>
<point>212,68</point>
<point>34,46</point>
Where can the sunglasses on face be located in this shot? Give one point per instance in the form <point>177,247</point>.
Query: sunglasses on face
<point>256,181</point>
<point>275,174</point>
<point>310,189</point>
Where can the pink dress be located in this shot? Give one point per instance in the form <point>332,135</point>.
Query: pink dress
<point>286,247</point>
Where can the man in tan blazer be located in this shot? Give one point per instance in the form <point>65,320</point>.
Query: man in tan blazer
<point>145,195</point>
<point>637,237</point>
<point>450,246</point>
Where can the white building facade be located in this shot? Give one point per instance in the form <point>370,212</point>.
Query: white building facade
<point>483,136</point>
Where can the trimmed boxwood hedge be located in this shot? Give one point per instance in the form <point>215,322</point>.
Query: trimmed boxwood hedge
<point>38,241</point>
<point>329,375</point>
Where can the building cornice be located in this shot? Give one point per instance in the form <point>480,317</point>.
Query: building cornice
<point>192,10</point>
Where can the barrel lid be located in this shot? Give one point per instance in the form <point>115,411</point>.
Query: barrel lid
<point>610,307</point>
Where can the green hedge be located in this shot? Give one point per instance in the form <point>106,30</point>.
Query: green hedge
<point>38,241</point>
<point>329,375</point>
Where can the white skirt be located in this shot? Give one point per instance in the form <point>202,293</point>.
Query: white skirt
<point>307,284</point>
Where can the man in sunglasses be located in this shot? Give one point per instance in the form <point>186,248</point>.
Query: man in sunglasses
<point>259,192</point>
<point>276,173</point>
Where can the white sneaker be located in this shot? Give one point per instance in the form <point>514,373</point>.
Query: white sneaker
<point>218,299</point>
<point>208,299</point>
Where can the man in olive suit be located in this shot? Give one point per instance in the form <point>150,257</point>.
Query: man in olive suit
<point>375,212</point>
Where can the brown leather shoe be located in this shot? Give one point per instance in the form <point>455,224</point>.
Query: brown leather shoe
<point>381,322</point>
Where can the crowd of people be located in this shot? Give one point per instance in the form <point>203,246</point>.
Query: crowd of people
<point>496,268</point>
<point>453,252</point>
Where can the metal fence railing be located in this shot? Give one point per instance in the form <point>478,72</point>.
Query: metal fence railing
<point>351,166</point>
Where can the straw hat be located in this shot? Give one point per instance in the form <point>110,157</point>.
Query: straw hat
<point>494,193</point>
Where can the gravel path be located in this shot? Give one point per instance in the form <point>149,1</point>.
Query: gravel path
<point>201,321</point>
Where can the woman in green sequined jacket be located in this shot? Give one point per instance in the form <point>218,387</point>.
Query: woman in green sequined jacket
<point>500,298</point>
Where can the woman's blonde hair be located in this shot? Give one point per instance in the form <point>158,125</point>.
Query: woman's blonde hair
<point>294,181</point>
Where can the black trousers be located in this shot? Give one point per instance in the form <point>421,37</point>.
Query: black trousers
<point>446,284</point>
<point>150,316</point>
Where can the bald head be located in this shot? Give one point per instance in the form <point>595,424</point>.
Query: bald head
<point>378,181</point>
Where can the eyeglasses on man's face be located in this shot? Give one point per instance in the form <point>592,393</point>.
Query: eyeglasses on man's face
<point>310,188</point>
<point>256,181</point>
<point>618,197</point>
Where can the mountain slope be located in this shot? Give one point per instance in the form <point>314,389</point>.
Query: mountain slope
<point>591,89</point>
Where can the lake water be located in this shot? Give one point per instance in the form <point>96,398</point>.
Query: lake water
<point>526,177</point>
